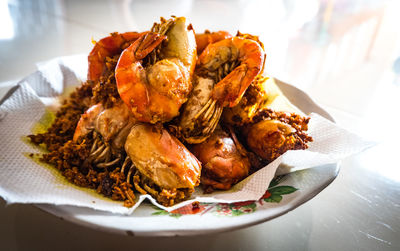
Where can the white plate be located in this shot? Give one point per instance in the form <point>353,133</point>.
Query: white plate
<point>293,190</point>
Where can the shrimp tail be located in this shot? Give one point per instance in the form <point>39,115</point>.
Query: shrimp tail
<point>146,44</point>
<point>108,47</point>
<point>230,89</point>
<point>206,38</point>
<point>140,48</point>
<point>130,75</point>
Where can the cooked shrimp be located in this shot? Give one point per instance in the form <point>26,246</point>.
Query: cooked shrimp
<point>108,47</point>
<point>250,36</point>
<point>252,101</point>
<point>106,131</point>
<point>107,122</point>
<point>109,128</point>
<point>245,55</point>
<point>231,64</point>
<point>273,133</point>
<point>87,121</point>
<point>155,91</point>
<point>225,161</point>
<point>206,38</point>
<point>164,166</point>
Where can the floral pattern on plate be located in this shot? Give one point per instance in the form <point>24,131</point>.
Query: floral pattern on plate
<point>274,194</point>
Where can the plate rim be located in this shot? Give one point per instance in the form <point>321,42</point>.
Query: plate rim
<point>54,211</point>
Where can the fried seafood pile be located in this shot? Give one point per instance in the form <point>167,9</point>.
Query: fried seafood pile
<point>166,110</point>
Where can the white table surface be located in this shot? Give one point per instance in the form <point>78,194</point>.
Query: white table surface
<point>341,52</point>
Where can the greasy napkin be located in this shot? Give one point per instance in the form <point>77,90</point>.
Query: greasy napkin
<point>24,180</point>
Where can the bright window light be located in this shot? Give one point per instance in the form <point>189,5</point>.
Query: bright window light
<point>6,27</point>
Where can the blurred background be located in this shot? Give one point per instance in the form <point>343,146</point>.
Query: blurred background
<point>321,46</point>
<point>344,53</point>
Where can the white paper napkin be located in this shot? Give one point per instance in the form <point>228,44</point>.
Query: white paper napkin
<point>22,180</point>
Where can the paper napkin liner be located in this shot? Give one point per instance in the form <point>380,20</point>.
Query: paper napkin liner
<point>22,180</point>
